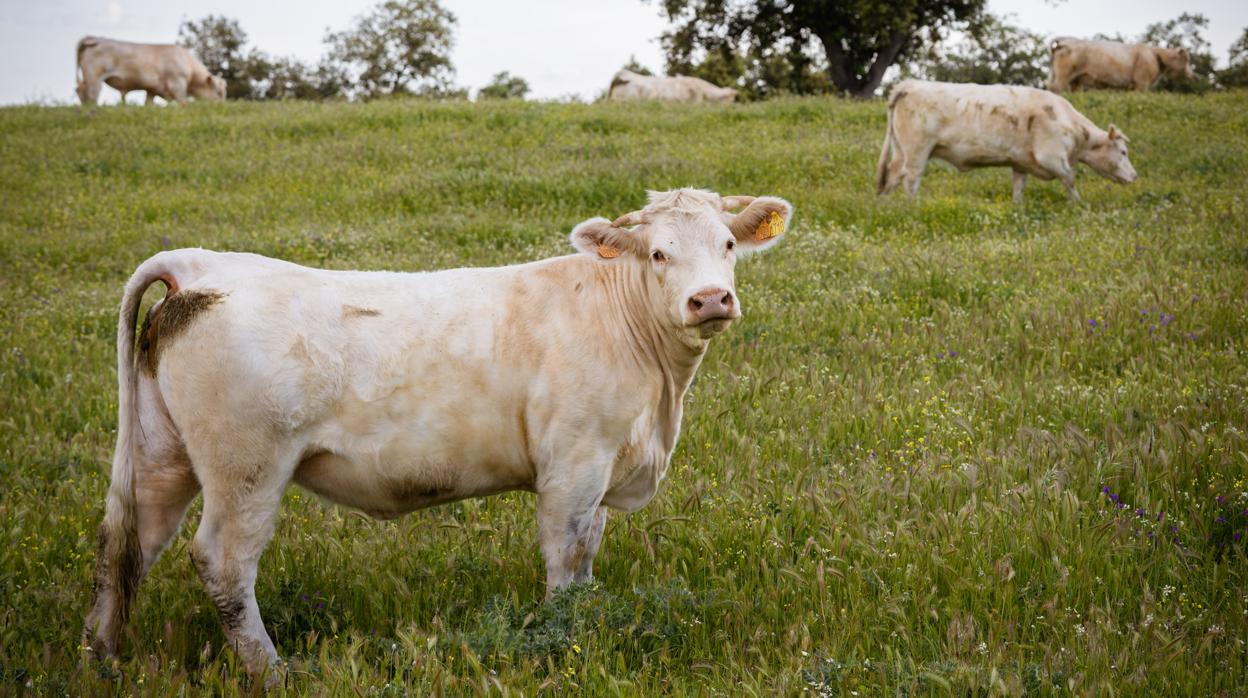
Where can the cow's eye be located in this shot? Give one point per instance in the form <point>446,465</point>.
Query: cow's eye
<point>658,256</point>
<point>731,244</point>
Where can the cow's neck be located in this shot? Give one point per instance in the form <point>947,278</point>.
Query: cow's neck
<point>650,342</point>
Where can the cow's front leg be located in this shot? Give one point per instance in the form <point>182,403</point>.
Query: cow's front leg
<point>1069,183</point>
<point>571,528</point>
<point>597,525</point>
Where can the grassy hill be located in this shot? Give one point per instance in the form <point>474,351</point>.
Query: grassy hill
<point>956,445</point>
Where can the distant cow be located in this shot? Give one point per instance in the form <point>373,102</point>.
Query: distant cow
<point>390,392</point>
<point>1080,63</point>
<point>162,70</point>
<point>627,85</point>
<point>1032,131</point>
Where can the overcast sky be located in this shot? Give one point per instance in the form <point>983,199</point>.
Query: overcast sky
<point>561,47</point>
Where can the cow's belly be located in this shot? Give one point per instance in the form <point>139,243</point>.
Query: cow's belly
<point>395,481</point>
<point>970,156</point>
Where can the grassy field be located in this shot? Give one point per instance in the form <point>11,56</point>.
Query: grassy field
<point>956,446</point>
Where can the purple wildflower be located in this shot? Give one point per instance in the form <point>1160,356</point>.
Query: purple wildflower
<point>953,354</point>
<point>1166,319</point>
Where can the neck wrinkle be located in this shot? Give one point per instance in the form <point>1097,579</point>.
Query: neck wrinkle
<point>648,340</point>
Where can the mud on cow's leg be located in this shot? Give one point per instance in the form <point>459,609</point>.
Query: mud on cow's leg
<point>571,528</point>
<point>240,510</point>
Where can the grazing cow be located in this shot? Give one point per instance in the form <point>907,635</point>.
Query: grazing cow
<point>162,70</point>
<point>1080,63</point>
<point>1032,131</point>
<point>390,392</point>
<point>627,85</point>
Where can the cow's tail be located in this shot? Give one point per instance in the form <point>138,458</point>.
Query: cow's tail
<point>84,43</point>
<point>886,151</point>
<point>620,78</point>
<point>119,558</point>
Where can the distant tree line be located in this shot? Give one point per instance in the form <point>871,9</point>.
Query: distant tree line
<point>771,47</point>
<point>399,47</point>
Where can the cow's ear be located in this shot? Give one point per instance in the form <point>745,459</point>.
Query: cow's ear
<point>1115,134</point>
<point>601,238</point>
<point>761,224</point>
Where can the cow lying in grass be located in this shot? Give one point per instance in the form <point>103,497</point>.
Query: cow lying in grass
<point>391,392</point>
<point>1031,131</point>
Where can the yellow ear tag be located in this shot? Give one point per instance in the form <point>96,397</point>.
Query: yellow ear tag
<point>608,252</point>
<point>770,228</point>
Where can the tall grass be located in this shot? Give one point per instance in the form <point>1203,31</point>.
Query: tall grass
<point>955,446</point>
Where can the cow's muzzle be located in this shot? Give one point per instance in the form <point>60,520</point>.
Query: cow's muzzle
<point>711,310</point>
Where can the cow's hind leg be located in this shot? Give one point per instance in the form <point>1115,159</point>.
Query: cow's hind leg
<point>241,498</point>
<point>912,169</point>
<point>1020,181</point>
<point>164,487</point>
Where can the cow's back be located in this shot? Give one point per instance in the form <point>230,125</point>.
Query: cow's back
<point>971,124</point>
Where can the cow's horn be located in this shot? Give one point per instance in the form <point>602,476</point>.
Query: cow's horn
<point>730,202</point>
<point>634,218</point>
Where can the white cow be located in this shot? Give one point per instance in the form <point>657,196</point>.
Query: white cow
<point>162,70</point>
<point>627,85</point>
<point>1093,63</point>
<point>1031,131</point>
<point>390,392</point>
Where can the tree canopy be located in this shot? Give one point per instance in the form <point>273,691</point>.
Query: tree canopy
<point>991,52</point>
<point>802,45</point>
<point>398,47</point>
<point>504,85</point>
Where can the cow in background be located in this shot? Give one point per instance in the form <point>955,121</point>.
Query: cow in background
<point>162,70</point>
<point>1081,63</point>
<point>1031,131</point>
<point>627,85</point>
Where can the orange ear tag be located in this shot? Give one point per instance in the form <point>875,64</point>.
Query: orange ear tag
<point>608,252</point>
<point>770,228</point>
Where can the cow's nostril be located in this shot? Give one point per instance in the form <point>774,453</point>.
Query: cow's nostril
<point>695,304</point>
<point>727,299</point>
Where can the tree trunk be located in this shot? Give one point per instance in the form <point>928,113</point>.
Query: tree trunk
<point>843,74</point>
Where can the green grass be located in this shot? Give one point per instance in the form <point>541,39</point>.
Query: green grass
<point>852,507</point>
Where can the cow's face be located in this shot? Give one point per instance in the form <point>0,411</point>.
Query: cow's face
<point>1179,62</point>
<point>1108,156</point>
<point>212,89</point>
<point>685,246</point>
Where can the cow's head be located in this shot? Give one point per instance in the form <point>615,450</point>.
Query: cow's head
<point>685,245</point>
<point>212,89</point>
<point>1178,61</point>
<point>1107,154</point>
<point>727,95</point>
